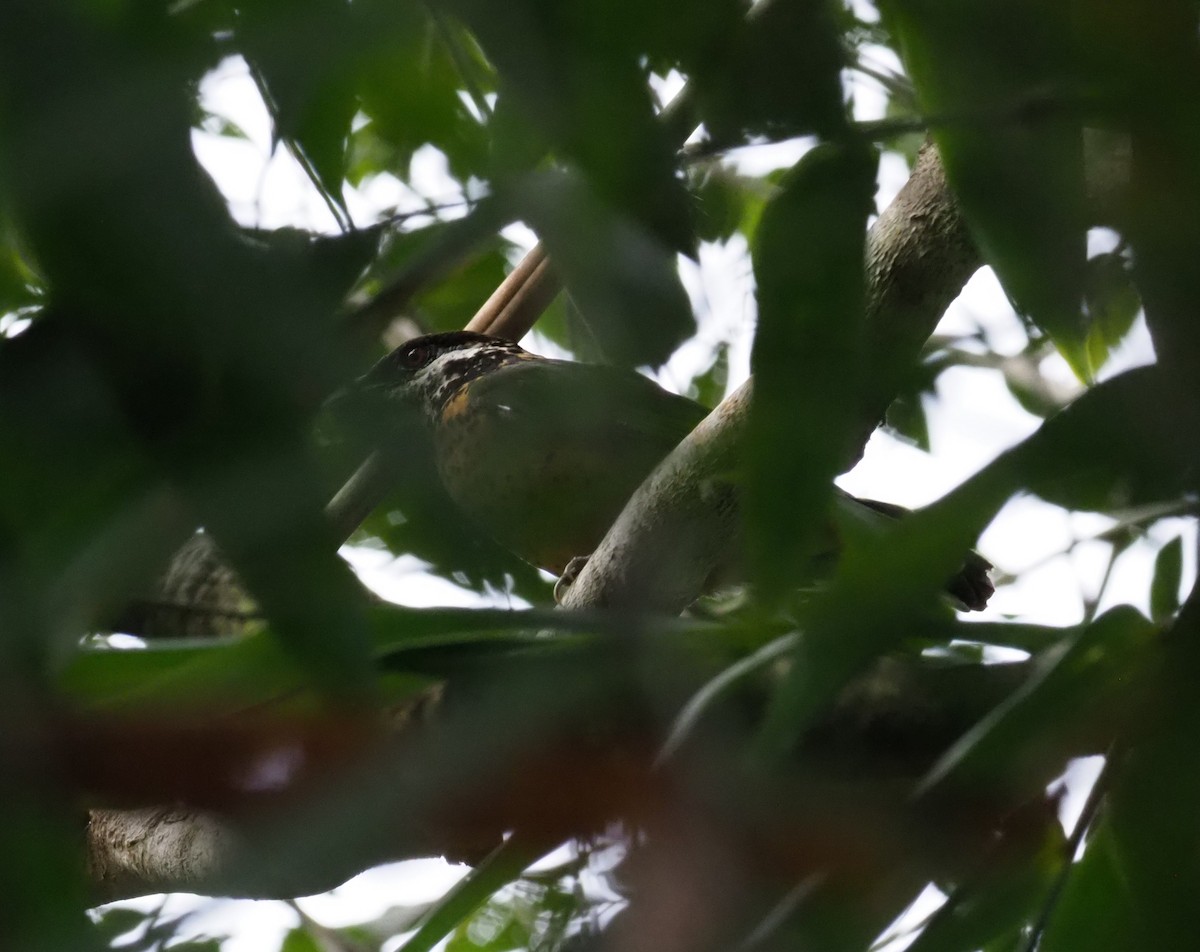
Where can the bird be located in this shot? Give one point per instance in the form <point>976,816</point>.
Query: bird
<point>542,454</point>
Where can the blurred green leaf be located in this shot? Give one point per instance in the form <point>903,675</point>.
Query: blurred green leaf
<point>527,916</point>
<point>721,196</point>
<point>623,279</point>
<point>1117,446</point>
<point>906,416</point>
<point>1102,444</point>
<point>1168,574</point>
<point>410,86</point>
<point>198,945</point>
<point>303,51</point>
<point>708,389</point>
<point>574,73</point>
<point>1112,305</point>
<point>234,673</point>
<point>1150,801</point>
<point>1093,911</point>
<point>1000,80</point>
<point>1143,63</point>
<point>808,264</point>
<point>180,315</point>
<point>298,940</point>
<point>221,126</point>
<point>1080,693</point>
<point>114,922</point>
<point>448,269</point>
<point>1011,881</point>
<point>501,867</point>
<point>19,285</point>
<point>332,264</point>
<point>450,304</point>
<point>776,72</point>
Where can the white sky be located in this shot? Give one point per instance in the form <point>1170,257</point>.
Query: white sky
<point>972,419</point>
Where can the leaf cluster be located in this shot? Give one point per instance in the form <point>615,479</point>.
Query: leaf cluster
<point>797,764</point>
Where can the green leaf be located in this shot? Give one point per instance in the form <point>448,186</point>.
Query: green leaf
<point>1117,446</point>
<point>113,923</point>
<point>222,674</point>
<point>721,197</point>
<point>574,72</point>
<point>298,940</point>
<point>1143,63</point>
<point>1078,694</point>
<point>777,73</point>
<point>999,77</point>
<point>234,673</point>
<point>1112,305</point>
<point>1154,823</point>
<point>410,86</point>
<point>808,264</point>
<point>898,566</point>
<point>445,270</point>
<point>623,279</point>
<point>1009,884</point>
<point>1103,443</point>
<point>1094,910</point>
<point>906,416</point>
<point>1168,573</point>
<point>708,389</point>
<point>217,125</point>
<point>501,867</point>
<point>183,319</point>
<point>331,264</point>
<point>304,52</point>
<point>450,304</point>
<point>19,285</point>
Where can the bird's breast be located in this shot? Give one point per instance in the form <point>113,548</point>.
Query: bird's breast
<point>547,496</point>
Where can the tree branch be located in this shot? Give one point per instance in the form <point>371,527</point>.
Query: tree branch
<point>674,532</point>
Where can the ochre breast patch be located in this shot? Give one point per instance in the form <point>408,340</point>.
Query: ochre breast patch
<point>458,404</point>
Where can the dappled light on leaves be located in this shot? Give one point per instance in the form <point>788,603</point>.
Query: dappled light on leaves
<point>755,719</point>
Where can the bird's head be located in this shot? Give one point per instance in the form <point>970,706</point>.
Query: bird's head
<point>426,372</point>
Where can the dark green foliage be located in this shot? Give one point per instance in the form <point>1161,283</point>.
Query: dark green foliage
<point>573,73</point>
<point>808,353</point>
<point>834,744</point>
<point>622,278</point>
<point>1002,81</point>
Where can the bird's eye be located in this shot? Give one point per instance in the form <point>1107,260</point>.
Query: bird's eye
<point>415,358</point>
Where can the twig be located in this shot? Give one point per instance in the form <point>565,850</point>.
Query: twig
<point>519,300</point>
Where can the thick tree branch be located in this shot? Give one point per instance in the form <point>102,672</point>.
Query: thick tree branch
<point>157,849</point>
<point>674,533</point>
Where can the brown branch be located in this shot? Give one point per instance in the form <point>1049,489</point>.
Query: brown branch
<point>674,533</point>
<point>520,299</point>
